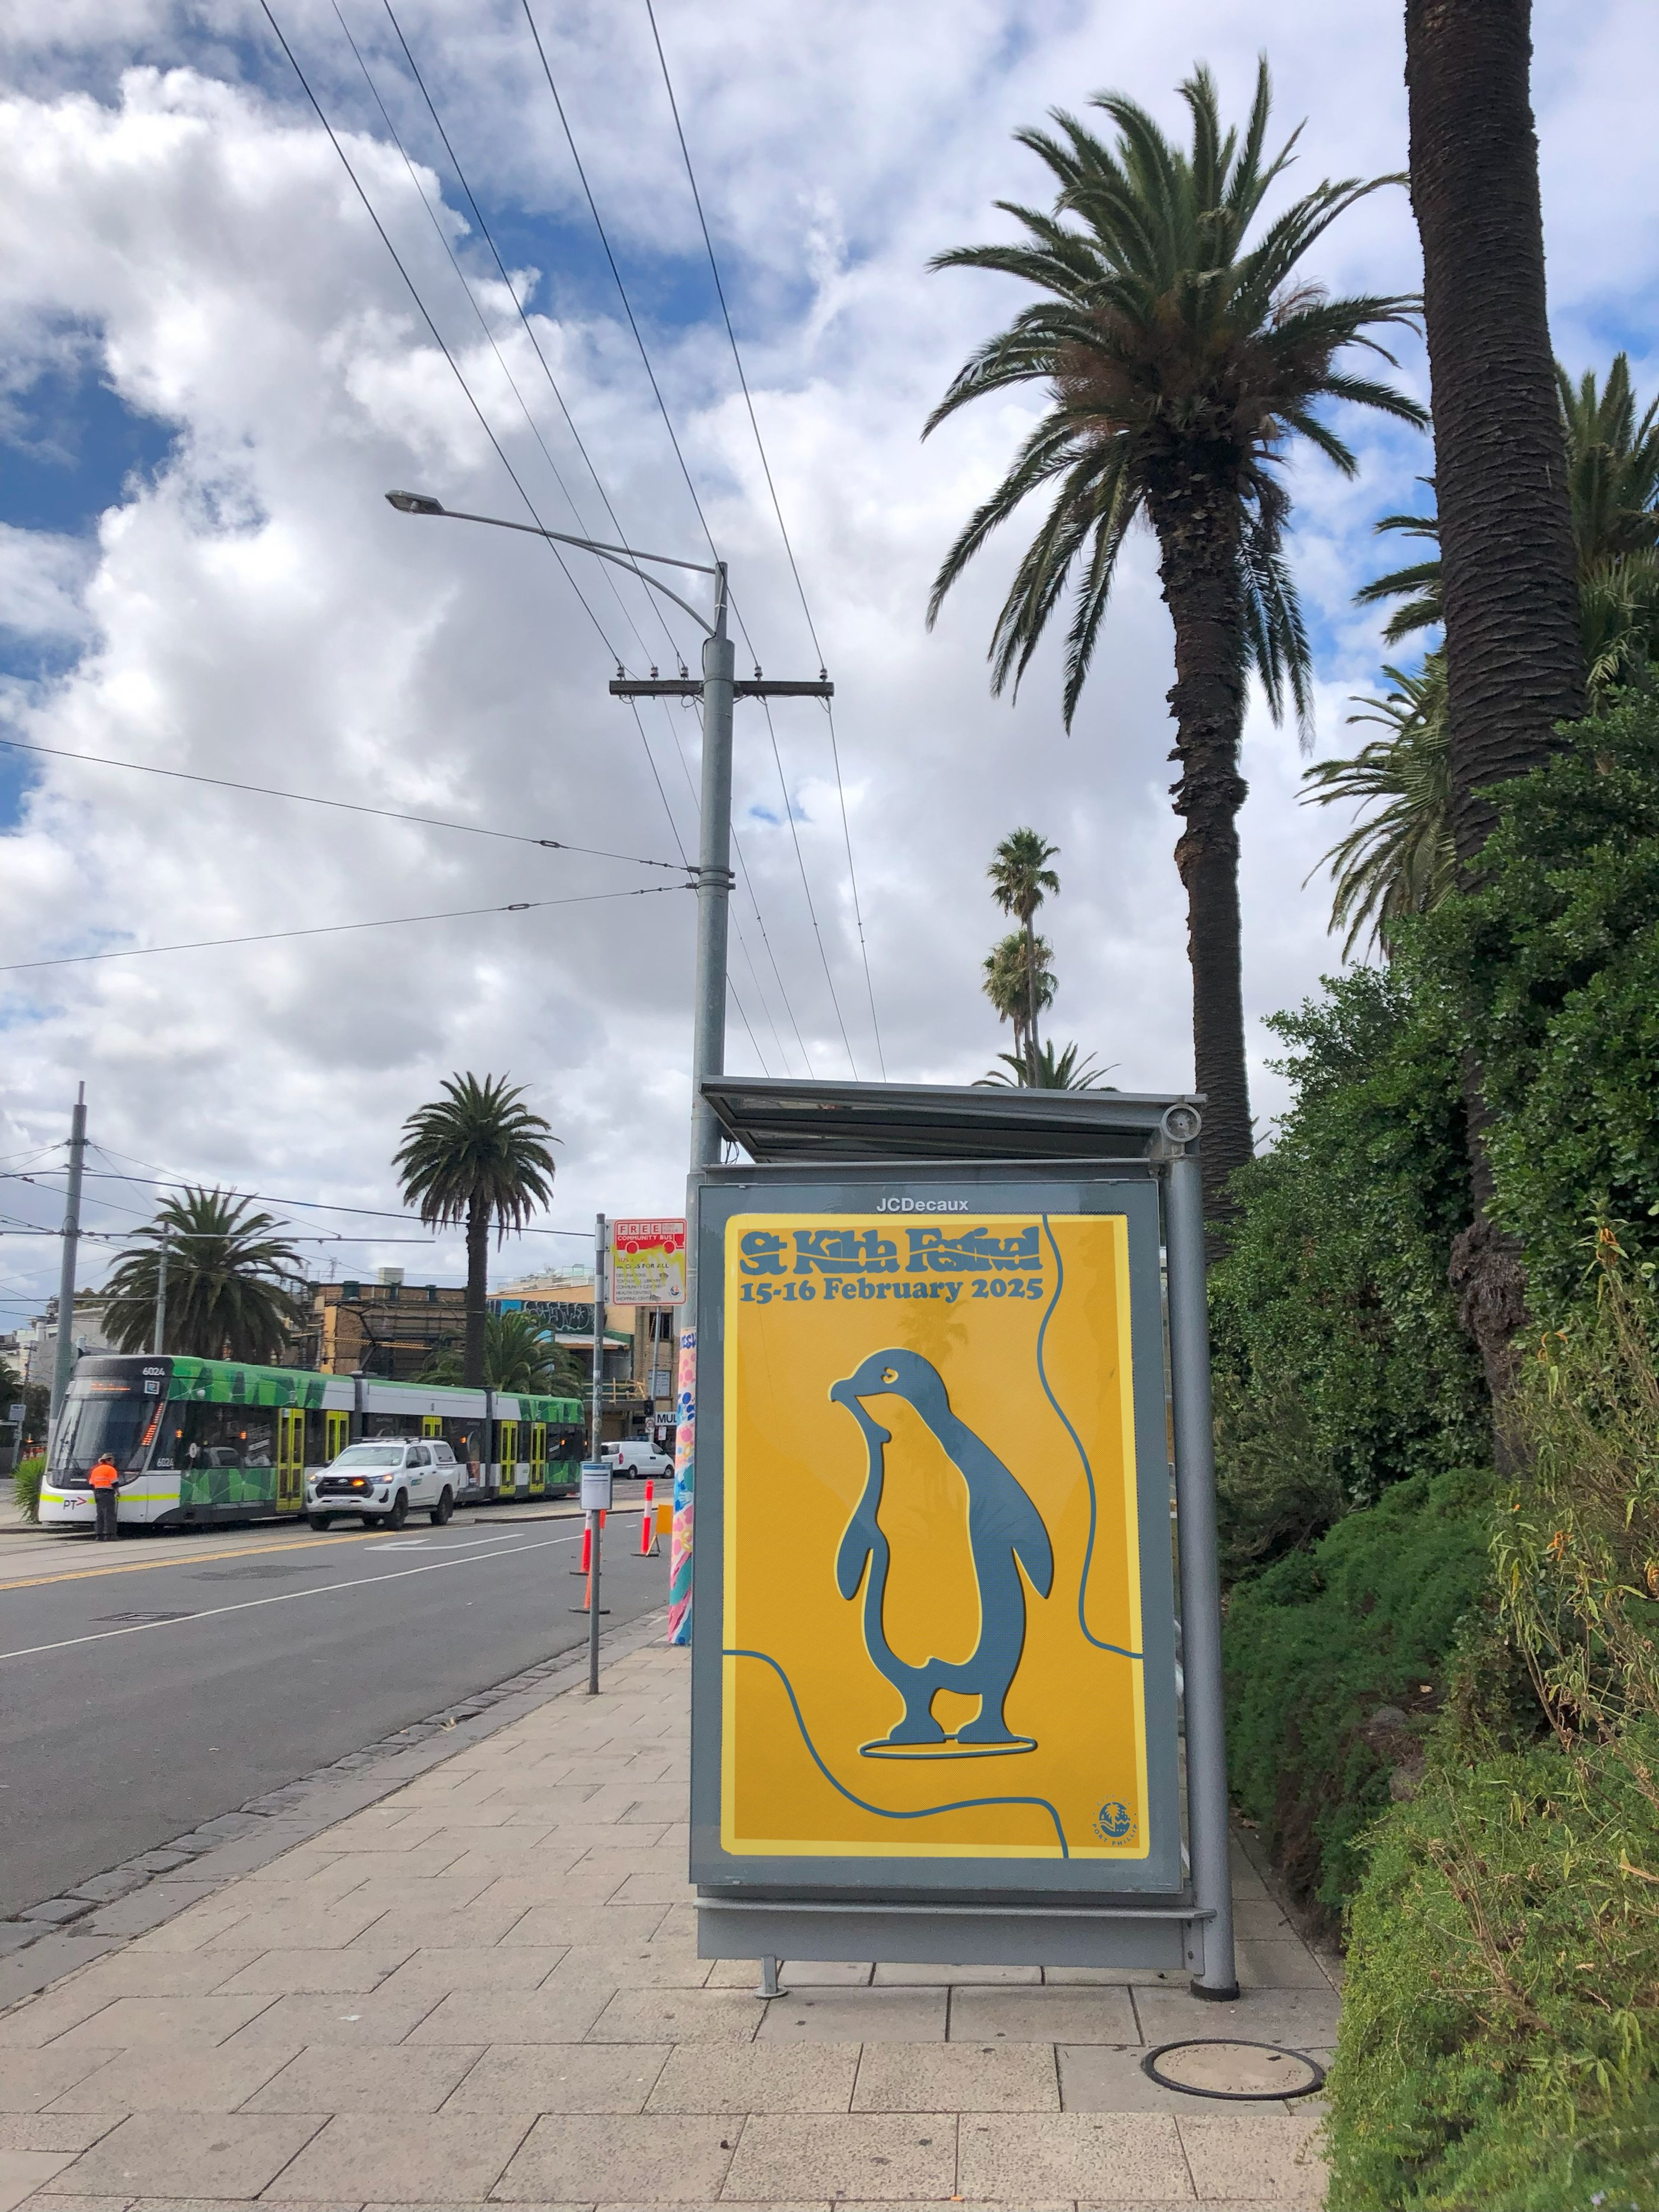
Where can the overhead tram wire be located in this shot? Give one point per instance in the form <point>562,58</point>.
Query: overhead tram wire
<point>662,407</point>
<point>777,510</point>
<point>348,806</point>
<point>483,324</point>
<point>438,338</point>
<point>488,237</point>
<point>806,888</point>
<point>333,928</point>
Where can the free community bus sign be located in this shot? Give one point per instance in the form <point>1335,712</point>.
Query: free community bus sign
<point>648,1263</point>
<point>945,1612</point>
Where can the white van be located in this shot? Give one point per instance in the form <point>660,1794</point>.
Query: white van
<point>636,1455</point>
<point>381,1479</point>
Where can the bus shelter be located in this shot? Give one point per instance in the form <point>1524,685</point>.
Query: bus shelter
<point>956,1601</point>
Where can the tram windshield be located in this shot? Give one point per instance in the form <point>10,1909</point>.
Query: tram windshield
<point>103,1416</point>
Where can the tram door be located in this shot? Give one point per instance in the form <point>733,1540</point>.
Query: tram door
<point>508,1434</point>
<point>538,1458</point>
<point>337,1434</point>
<point>290,1459</point>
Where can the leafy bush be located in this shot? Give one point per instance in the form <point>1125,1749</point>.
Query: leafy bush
<point>1502,2002</point>
<point>1332,1296</point>
<point>1314,1646</point>
<point>1550,976</point>
<point>26,1486</point>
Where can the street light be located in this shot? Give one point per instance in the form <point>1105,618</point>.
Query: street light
<point>717,689</point>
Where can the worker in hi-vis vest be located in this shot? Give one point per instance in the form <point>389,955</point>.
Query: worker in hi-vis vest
<point>103,1478</point>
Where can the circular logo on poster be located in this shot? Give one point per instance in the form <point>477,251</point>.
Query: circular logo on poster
<point>1113,1822</point>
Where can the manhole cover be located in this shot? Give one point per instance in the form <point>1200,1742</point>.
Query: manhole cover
<point>142,1619</point>
<point>1216,2066</point>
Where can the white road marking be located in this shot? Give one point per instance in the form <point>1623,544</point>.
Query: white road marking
<point>284,1597</point>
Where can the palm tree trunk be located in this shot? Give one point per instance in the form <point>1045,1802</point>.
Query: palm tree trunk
<point>1514,658</point>
<point>1195,515</point>
<point>478,1291</point>
<point>1030,997</point>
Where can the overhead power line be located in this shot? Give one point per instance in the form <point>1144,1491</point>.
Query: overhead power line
<point>332,929</point>
<point>346,806</point>
<point>437,335</point>
<point>783,531</point>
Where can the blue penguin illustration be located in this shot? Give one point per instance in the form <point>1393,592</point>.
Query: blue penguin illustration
<point>1003,1528</point>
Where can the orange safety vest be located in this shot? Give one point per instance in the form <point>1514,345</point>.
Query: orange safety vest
<point>103,1475</point>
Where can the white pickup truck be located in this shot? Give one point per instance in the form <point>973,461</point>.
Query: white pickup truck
<point>636,1455</point>
<point>381,1479</point>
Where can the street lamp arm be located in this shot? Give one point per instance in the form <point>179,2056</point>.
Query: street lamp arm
<point>620,557</point>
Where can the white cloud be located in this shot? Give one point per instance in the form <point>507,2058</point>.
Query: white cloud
<point>259,612</point>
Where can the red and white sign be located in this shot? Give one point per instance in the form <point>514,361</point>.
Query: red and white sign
<point>648,1263</point>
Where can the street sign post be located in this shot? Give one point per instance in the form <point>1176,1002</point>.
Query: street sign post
<point>935,1705</point>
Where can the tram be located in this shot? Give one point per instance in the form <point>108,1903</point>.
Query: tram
<point>200,1441</point>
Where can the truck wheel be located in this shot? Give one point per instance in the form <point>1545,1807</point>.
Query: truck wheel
<point>320,1522</point>
<point>444,1508</point>
<point>399,1512</point>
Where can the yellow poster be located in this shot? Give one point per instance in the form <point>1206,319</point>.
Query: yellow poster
<point>932,1608</point>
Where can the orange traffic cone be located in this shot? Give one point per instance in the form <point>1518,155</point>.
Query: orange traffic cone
<point>587,1566</point>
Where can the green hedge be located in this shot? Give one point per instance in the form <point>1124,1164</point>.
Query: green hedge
<point>1319,1642</point>
<point>1503,1992</point>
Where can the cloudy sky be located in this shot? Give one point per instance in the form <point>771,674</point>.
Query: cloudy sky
<point>211,368</point>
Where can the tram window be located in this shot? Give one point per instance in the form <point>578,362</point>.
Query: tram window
<point>223,1436</point>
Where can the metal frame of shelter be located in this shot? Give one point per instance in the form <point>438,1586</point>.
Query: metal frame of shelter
<point>809,1143</point>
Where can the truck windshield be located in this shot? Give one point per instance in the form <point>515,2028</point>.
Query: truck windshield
<point>103,1416</point>
<point>371,1456</point>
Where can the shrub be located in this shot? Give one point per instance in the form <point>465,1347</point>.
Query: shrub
<point>1322,1641</point>
<point>26,1486</point>
<point>1332,1296</point>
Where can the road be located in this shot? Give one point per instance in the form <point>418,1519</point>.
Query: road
<point>151,1685</point>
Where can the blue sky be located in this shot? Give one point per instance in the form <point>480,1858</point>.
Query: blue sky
<point>211,370</point>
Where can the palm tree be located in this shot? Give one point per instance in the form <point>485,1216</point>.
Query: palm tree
<point>231,1286</point>
<point>520,1354</point>
<point>1400,860</point>
<point>1178,362</point>
<point>1019,973</point>
<point>1514,662</point>
<point>476,1156</point>
<point>1021,879</point>
<point>1612,483</point>
<point>1048,1072</point>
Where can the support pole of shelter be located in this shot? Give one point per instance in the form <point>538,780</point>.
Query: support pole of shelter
<point>63,1358</point>
<point>1201,1589</point>
<point>598,1398</point>
<point>160,1329</point>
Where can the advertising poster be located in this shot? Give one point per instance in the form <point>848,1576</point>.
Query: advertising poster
<point>931,1541</point>
<point>648,1263</point>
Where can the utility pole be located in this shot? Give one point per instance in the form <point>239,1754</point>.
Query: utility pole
<point>160,1329</point>
<point>64,1361</point>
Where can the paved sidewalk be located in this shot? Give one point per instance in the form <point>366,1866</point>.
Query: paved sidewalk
<point>484,1990</point>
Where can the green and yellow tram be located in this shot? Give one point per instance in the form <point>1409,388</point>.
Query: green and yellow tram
<point>199,1440</point>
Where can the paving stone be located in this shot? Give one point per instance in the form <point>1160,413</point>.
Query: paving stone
<point>820,1973</point>
<point>47,1960</point>
<point>413,2158</point>
<point>166,2155</point>
<point>588,1922</point>
<point>311,1926</point>
<point>23,2171</point>
<point>1096,2077</point>
<point>1303,2020</point>
<point>849,2153</point>
<point>1279,1964</point>
<point>66,2131</point>
<point>630,1965</point>
<point>1100,2014</point>
<point>650,2159</point>
<point>197,1924</point>
<point>958,2077</point>
<point>673,2016</point>
<point>758,2077</point>
<point>440,1970</point>
<point>147,1908</point>
<point>53,2014</point>
<point>563,2077</point>
<point>187,2081</point>
<point>888,1975</point>
<point>1072,2155</point>
<point>154,2022</point>
<point>1262,2155</point>
<point>405,2078</point>
<point>302,1973</point>
<point>369,2022</point>
<point>855,2015</point>
<point>494,2016</point>
<point>31,2079</point>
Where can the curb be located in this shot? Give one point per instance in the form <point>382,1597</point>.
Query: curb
<point>108,1910</point>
